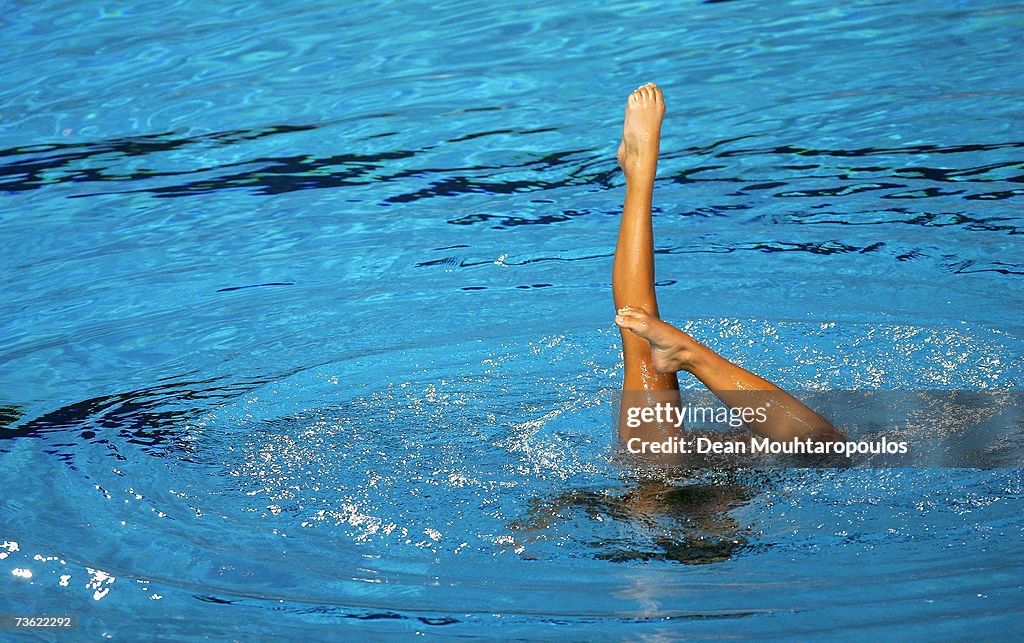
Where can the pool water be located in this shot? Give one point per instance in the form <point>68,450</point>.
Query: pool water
<point>306,324</point>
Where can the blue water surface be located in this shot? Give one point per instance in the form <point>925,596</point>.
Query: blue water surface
<point>306,324</point>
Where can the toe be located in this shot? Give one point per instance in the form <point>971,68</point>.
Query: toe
<point>633,319</point>
<point>631,322</point>
<point>631,310</point>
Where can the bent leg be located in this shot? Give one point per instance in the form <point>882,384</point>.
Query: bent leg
<point>633,270</point>
<point>673,350</point>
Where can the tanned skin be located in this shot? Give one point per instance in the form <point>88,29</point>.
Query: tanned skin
<point>653,350</point>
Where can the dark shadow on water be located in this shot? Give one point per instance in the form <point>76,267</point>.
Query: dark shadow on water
<point>9,415</point>
<point>155,418</point>
<point>799,173</point>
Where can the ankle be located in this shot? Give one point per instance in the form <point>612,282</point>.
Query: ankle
<point>639,176</point>
<point>691,356</point>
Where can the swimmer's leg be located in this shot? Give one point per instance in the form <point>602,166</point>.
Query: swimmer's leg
<point>633,271</point>
<point>673,350</point>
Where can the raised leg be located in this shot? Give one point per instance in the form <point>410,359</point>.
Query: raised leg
<point>633,270</point>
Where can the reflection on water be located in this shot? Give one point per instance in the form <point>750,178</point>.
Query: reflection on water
<point>783,172</point>
<point>788,185</point>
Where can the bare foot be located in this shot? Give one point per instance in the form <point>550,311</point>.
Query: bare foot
<point>641,132</point>
<point>672,350</point>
